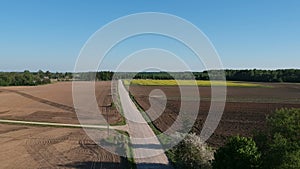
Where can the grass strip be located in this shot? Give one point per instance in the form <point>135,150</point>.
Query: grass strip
<point>117,104</point>
<point>123,139</point>
<point>164,139</point>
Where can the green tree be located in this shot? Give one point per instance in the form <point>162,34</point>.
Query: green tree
<point>238,152</point>
<point>280,145</point>
<point>287,123</point>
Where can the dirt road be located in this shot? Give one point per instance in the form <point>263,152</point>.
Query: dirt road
<point>147,150</point>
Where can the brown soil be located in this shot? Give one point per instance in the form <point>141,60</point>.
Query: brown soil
<point>245,111</point>
<point>51,103</point>
<point>50,147</point>
<point>45,147</point>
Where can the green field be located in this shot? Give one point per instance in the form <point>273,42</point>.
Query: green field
<point>190,83</point>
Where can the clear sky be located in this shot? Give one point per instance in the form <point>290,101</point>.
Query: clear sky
<point>48,34</point>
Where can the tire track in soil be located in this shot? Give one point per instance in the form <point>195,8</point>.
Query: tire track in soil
<point>41,100</point>
<point>90,147</point>
<point>3,112</point>
<point>13,129</point>
<point>98,154</point>
<point>103,98</point>
<point>105,102</point>
<point>44,154</point>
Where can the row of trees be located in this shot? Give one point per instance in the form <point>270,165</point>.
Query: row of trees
<point>91,76</point>
<point>22,79</point>
<point>277,148</point>
<point>281,75</point>
<point>255,75</point>
<point>28,78</point>
<point>40,77</point>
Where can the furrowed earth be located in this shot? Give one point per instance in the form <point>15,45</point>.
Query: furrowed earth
<point>246,108</point>
<point>28,146</point>
<point>35,146</point>
<point>48,147</point>
<point>52,103</point>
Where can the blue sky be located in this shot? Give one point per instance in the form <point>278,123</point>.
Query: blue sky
<point>49,34</point>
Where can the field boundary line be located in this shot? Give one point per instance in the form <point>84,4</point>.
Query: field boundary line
<point>51,124</point>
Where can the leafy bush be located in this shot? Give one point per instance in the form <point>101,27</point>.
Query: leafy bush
<point>192,153</point>
<point>238,152</point>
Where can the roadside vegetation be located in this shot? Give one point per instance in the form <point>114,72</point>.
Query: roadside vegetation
<point>238,152</point>
<point>191,153</point>
<point>123,143</point>
<point>280,144</point>
<point>116,104</point>
<point>277,148</point>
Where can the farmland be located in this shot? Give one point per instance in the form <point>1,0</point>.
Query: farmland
<point>48,147</point>
<point>246,108</point>
<point>203,83</point>
<point>42,146</point>
<point>51,103</point>
<point>36,146</point>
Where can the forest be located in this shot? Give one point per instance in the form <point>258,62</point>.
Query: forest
<point>254,75</point>
<point>28,78</point>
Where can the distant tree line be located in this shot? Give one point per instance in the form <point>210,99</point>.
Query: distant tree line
<point>254,75</point>
<point>91,76</point>
<point>22,79</point>
<point>281,75</point>
<point>28,78</point>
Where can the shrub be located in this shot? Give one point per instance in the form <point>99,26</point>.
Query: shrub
<point>192,153</point>
<point>238,152</point>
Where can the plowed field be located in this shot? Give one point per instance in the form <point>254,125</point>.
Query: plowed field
<point>48,147</point>
<point>24,146</point>
<point>52,103</point>
<point>245,111</point>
